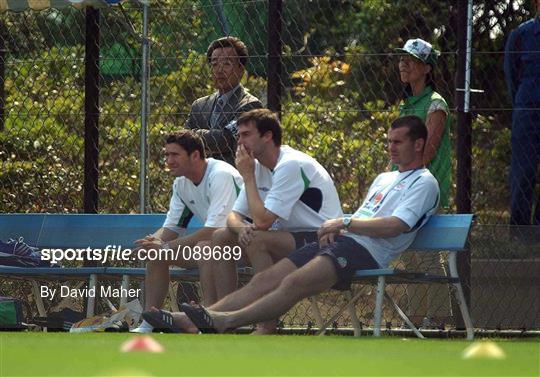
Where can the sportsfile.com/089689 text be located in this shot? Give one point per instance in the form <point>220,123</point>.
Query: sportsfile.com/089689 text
<point>117,253</point>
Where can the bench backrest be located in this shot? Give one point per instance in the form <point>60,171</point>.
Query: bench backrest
<point>441,232</point>
<point>79,230</point>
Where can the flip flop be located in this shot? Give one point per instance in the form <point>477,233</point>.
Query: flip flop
<point>200,318</point>
<point>161,320</point>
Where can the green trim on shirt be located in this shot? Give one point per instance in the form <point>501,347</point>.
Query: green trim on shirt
<point>185,213</point>
<point>236,187</point>
<point>305,179</point>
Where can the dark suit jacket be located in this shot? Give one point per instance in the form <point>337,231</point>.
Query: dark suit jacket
<point>220,141</point>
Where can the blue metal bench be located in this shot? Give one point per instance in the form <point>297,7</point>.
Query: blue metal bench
<point>447,233</point>
<point>441,233</point>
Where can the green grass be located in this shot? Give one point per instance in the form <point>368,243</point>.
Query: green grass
<point>61,354</point>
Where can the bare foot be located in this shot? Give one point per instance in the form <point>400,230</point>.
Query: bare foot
<point>181,320</point>
<point>265,328</point>
<point>220,320</point>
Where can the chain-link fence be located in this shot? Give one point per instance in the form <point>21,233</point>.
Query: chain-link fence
<point>340,87</point>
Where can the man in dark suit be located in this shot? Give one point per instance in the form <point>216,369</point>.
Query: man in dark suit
<point>214,116</point>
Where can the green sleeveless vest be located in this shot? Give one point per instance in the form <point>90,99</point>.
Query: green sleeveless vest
<point>440,166</point>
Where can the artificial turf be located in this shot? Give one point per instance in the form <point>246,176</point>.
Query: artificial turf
<point>98,354</point>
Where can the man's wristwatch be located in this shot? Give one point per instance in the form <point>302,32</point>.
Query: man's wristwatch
<point>346,222</point>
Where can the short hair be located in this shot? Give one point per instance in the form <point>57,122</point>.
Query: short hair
<point>417,128</point>
<point>237,44</point>
<point>265,120</point>
<point>189,140</point>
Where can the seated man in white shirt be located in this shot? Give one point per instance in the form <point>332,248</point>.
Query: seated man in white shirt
<point>397,204</point>
<point>287,195</point>
<point>203,187</point>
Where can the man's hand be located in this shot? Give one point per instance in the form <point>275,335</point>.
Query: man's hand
<point>328,230</point>
<point>245,162</point>
<point>149,242</point>
<point>246,235</point>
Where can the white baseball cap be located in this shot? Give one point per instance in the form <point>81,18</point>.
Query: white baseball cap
<point>421,50</point>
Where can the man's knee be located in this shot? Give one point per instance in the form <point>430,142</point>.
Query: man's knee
<point>294,284</point>
<point>223,236</point>
<point>277,244</point>
<point>265,279</point>
<point>291,286</point>
<point>255,247</point>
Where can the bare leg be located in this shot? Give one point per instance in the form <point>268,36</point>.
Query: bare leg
<point>222,275</point>
<point>205,276</point>
<point>157,279</point>
<point>315,277</point>
<point>156,282</point>
<point>260,285</point>
<point>267,248</point>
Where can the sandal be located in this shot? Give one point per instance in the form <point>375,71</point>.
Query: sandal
<point>200,318</point>
<point>161,320</point>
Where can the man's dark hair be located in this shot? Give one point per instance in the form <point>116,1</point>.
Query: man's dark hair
<point>265,120</point>
<point>237,44</point>
<point>416,126</point>
<point>189,140</point>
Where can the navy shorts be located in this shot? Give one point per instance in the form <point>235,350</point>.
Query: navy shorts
<point>301,239</point>
<point>346,254</point>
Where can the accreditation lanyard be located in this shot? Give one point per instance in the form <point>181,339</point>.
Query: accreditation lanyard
<point>378,197</point>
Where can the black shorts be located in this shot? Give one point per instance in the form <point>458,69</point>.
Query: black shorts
<point>346,254</point>
<point>301,239</point>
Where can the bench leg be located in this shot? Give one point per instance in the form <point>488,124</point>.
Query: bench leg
<point>317,315</point>
<point>109,304</point>
<point>39,301</point>
<point>125,287</point>
<point>460,296</point>
<point>404,316</point>
<point>92,282</point>
<point>378,306</point>
<point>172,296</point>
<point>339,312</point>
<point>351,307</point>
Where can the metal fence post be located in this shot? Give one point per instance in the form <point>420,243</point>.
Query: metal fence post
<point>275,44</point>
<point>464,133</point>
<point>145,107</point>
<point>91,111</point>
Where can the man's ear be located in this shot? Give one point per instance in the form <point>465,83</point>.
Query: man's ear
<point>419,145</point>
<point>268,135</point>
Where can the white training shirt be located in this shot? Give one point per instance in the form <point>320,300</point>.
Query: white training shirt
<point>211,200</point>
<point>299,191</point>
<point>412,196</point>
